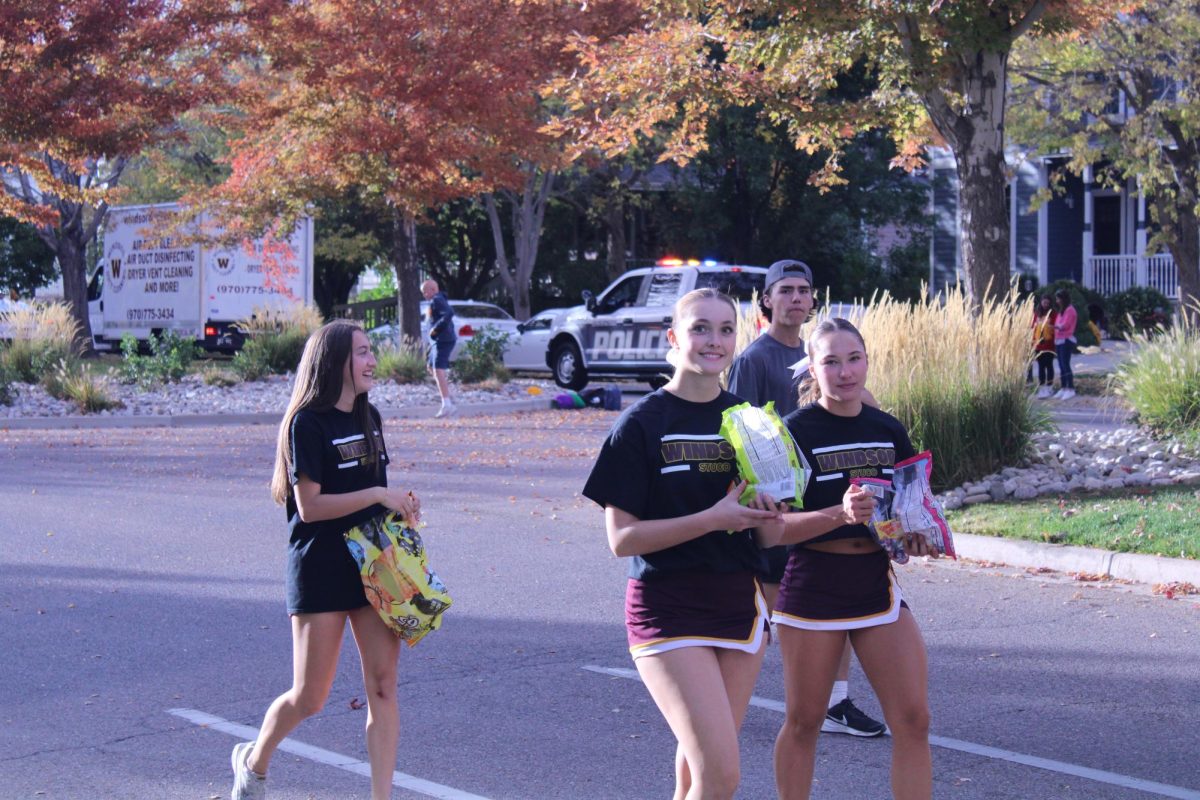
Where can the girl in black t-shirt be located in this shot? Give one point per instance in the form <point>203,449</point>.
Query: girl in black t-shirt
<point>838,580</point>
<point>694,612</point>
<point>329,473</point>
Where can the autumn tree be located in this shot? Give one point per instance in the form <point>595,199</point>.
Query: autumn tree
<point>85,85</point>
<point>414,103</point>
<point>938,69</point>
<point>1066,95</point>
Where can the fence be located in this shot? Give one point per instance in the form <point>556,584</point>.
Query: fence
<point>372,313</point>
<point>1111,274</point>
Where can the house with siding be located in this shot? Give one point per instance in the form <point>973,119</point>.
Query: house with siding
<point>1086,233</point>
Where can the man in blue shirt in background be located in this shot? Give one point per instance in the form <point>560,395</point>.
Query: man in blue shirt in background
<point>442,337</point>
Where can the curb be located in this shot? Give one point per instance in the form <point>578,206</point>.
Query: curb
<point>271,418</point>
<point>1134,567</point>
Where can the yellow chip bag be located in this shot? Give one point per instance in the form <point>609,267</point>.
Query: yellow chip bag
<point>400,586</point>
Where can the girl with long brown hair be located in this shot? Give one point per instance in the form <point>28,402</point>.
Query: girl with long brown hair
<point>330,475</point>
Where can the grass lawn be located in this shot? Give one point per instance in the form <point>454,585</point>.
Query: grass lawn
<point>1161,522</point>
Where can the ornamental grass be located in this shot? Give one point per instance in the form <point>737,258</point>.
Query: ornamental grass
<point>955,376</point>
<point>41,336</point>
<point>1161,378</point>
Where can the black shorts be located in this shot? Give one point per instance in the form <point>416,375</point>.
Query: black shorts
<point>694,609</point>
<point>833,591</point>
<point>777,559</point>
<point>439,353</point>
<point>322,576</point>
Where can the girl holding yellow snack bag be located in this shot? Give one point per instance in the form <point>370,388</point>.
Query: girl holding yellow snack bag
<point>330,474</point>
<point>694,610</point>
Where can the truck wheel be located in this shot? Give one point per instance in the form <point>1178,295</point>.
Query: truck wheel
<point>569,371</point>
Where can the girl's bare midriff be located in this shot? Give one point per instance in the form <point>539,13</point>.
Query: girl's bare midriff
<point>847,547</point>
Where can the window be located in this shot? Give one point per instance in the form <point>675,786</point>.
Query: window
<point>738,285</point>
<point>622,295</point>
<point>664,289</point>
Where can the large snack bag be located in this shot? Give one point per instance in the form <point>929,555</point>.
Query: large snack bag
<point>407,594</point>
<point>767,456</point>
<point>885,530</point>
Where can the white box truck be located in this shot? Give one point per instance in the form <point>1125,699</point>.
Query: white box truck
<point>149,281</point>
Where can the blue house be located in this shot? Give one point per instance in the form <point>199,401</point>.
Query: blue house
<point>1088,233</point>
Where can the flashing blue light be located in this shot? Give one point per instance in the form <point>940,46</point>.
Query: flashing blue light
<point>708,262</point>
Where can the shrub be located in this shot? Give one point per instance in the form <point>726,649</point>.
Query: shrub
<point>70,380</point>
<point>955,376</point>
<point>1081,298</point>
<point>222,378</point>
<point>274,340</point>
<point>6,383</point>
<point>481,357</point>
<point>250,363</point>
<point>403,364</point>
<point>42,336</point>
<point>1161,378</point>
<point>170,357</point>
<point>1140,309</point>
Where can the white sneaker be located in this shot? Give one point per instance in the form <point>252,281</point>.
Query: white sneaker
<point>1045,392</point>
<point>447,410</point>
<point>1058,395</point>
<point>247,785</point>
<point>1067,394</point>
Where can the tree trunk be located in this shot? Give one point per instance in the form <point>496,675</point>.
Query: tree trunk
<point>404,262</point>
<point>72,259</point>
<point>984,222</point>
<point>975,133</point>
<point>1185,249</point>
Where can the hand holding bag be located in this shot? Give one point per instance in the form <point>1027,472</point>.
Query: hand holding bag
<point>407,594</point>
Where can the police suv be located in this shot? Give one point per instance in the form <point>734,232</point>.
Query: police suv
<point>622,333</point>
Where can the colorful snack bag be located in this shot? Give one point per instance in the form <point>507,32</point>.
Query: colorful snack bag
<point>885,530</point>
<point>915,507</point>
<point>767,456</point>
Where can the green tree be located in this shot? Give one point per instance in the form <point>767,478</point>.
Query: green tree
<point>26,263</point>
<point>1064,102</point>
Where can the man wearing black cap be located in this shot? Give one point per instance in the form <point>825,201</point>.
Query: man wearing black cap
<point>763,372</point>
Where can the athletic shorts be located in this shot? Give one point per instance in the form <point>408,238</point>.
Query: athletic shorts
<point>777,559</point>
<point>694,609</point>
<point>837,592</point>
<point>439,354</point>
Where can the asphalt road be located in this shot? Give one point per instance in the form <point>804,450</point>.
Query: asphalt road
<point>141,572</point>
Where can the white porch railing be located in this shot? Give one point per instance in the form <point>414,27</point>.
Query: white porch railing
<point>1112,274</point>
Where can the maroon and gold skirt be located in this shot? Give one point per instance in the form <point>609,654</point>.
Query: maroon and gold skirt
<point>694,609</point>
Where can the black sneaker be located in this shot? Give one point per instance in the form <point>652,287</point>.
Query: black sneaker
<point>845,717</point>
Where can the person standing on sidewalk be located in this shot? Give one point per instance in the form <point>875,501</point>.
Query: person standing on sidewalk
<point>761,373</point>
<point>1064,343</point>
<point>442,338</point>
<point>330,475</point>
<point>1044,317</point>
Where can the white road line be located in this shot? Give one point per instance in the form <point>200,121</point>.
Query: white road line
<point>322,756</point>
<point>1099,775</point>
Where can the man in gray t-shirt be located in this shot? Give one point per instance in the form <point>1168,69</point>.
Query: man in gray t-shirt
<point>764,372</point>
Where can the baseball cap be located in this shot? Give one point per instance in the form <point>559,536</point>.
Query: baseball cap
<point>788,268</point>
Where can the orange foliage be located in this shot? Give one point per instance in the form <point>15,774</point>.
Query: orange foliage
<point>413,102</point>
<point>94,79</point>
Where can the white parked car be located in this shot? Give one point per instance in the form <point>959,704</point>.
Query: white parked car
<point>470,317</point>
<point>529,350</point>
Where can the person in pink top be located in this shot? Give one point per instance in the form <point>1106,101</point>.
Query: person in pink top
<point>1064,343</point>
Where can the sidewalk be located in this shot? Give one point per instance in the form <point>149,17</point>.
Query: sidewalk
<point>202,420</point>
<point>1086,560</point>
